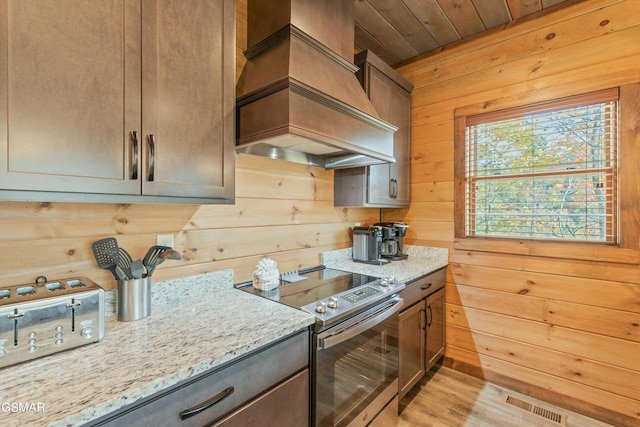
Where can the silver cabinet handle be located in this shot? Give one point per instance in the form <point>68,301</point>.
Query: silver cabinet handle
<point>188,413</point>
<point>393,188</point>
<point>152,156</point>
<point>134,163</point>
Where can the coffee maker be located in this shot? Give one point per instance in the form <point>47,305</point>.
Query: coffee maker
<point>392,235</point>
<point>367,245</point>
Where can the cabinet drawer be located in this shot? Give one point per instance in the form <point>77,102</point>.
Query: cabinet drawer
<point>423,287</point>
<point>241,380</point>
<point>287,405</point>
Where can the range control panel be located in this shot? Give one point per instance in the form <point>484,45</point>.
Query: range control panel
<point>346,303</point>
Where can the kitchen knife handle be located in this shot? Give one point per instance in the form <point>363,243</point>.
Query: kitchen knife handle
<point>134,165</point>
<point>187,413</point>
<point>152,156</point>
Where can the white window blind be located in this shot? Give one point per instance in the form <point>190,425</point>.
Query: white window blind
<point>544,171</point>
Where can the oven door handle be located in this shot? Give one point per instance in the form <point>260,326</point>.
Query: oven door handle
<point>327,339</point>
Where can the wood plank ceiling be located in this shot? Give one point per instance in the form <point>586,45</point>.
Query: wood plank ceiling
<point>397,30</point>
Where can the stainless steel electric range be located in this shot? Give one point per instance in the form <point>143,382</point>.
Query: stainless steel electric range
<point>354,364</point>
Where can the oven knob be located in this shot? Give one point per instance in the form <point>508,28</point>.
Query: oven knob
<point>333,302</point>
<point>384,282</point>
<point>321,307</point>
<point>392,280</point>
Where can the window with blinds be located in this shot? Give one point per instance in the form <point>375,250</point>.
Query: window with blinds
<point>544,171</point>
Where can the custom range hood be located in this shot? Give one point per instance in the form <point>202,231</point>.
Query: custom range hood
<point>298,98</point>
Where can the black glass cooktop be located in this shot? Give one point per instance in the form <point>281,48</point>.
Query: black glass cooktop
<point>320,284</point>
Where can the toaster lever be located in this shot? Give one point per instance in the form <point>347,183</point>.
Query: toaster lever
<point>73,305</point>
<point>16,314</point>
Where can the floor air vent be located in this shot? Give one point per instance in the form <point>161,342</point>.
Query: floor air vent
<point>546,413</point>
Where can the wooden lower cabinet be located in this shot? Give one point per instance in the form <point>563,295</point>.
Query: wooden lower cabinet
<point>421,329</point>
<point>267,387</point>
<point>435,325</point>
<point>412,344</point>
<point>287,405</point>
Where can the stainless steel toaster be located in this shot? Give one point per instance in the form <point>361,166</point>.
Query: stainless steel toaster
<point>47,317</point>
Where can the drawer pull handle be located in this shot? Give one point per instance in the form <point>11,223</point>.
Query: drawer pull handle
<point>425,287</point>
<point>187,413</point>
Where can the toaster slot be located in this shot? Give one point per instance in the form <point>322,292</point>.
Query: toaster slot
<point>26,290</point>
<point>75,283</point>
<point>54,286</point>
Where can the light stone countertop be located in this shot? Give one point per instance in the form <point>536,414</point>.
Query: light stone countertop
<point>422,260</point>
<point>196,324</point>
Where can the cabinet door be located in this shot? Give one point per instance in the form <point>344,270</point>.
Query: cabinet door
<point>69,95</point>
<point>188,92</point>
<point>380,91</point>
<point>389,183</point>
<point>401,169</point>
<point>435,328</point>
<point>412,322</point>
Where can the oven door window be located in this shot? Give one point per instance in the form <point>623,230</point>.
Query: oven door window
<point>351,374</point>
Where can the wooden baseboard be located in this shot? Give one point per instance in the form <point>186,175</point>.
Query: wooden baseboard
<point>563,401</point>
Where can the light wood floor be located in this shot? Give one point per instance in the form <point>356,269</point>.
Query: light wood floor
<point>449,398</point>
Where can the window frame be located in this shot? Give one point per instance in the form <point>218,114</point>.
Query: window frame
<point>627,248</point>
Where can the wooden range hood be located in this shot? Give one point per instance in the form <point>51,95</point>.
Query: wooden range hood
<point>298,98</point>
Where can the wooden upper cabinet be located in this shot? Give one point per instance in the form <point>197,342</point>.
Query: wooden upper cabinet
<point>389,184</point>
<point>188,97</point>
<point>62,103</point>
<point>384,185</point>
<point>81,79</point>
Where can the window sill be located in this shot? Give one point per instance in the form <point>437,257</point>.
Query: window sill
<point>565,250</point>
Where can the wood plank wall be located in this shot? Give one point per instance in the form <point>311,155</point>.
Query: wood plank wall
<point>282,210</point>
<point>564,330</point>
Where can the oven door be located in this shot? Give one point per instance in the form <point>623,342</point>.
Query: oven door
<point>356,367</point>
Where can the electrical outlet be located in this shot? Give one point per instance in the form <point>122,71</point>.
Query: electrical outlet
<point>164,240</point>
